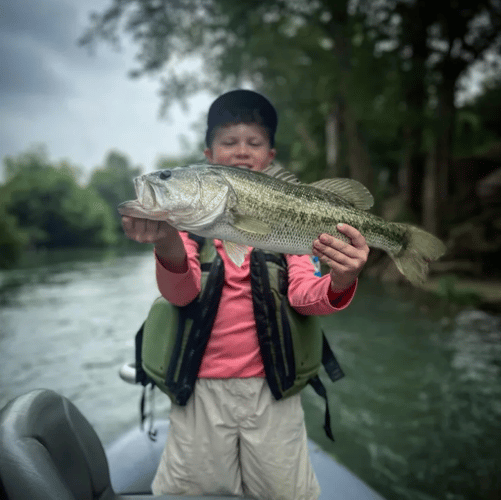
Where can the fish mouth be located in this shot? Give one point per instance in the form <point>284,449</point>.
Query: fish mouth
<point>145,193</point>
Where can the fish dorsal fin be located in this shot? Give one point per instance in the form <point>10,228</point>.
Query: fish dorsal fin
<point>280,173</point>
<point>350,190</point>
<point>250,224</point>
<point>236,252</point>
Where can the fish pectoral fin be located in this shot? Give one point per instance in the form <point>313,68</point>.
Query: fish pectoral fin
<point>236,252</point>
<point>250,224</point>
<point>350,190</point>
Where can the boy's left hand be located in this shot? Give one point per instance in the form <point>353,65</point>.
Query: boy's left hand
<point>344,259</point>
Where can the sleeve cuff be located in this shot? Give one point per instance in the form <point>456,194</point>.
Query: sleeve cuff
<point>339,300</point>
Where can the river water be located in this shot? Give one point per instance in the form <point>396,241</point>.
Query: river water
<point>417,415</point>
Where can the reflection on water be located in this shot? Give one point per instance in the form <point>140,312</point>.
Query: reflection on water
<point>476,343</point>
<point>417,415</point>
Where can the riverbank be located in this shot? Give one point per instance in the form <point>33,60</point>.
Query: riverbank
<point>442,290</point>
<point>484,294</point>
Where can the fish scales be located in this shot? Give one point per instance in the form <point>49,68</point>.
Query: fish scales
<point>303,212</point>
<point>272,211</point>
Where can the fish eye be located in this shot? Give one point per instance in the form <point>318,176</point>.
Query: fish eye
<point>165,174</point>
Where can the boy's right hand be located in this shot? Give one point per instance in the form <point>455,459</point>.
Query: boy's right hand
<point>148,231</point>
<point>169,246</point>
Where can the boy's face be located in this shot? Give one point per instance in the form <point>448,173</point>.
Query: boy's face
<point>244,144</point>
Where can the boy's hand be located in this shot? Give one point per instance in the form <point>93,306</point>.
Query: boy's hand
<point>168,244</point>
<point>147,231</point>
<point>344,259</point>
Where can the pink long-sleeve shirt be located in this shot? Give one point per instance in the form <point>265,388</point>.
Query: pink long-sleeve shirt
<point>233,349</point>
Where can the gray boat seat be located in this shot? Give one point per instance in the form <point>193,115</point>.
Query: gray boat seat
<point>48,450</point>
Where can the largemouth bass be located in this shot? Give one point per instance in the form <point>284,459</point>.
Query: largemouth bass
<point>272,210</point>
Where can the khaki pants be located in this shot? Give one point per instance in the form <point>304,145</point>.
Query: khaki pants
<point>234,438</point>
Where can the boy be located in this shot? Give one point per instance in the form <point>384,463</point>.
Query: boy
<point>233,437</point>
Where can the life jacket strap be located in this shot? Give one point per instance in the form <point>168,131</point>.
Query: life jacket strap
<point>152,432</point>
<point>278,358</point>
<point>334,372</point>
<point>320,389</point>
<point>203,312</point>
<point>141,376</point>
<point>330,362</point>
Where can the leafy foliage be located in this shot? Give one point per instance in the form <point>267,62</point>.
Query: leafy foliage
<point>113,181</point>
<point>479,122</point>
<point>48,207</point>
<point>42,204</point>
<point>12,238</point>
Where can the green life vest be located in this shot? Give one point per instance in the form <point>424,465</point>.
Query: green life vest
<point>171,343</point>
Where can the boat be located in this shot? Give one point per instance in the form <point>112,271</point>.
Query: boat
<point>49,451</point>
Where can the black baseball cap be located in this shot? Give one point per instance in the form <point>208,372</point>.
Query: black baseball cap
<point>241,106</point>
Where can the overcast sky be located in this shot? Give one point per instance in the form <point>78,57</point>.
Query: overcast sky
<point>80,106</point>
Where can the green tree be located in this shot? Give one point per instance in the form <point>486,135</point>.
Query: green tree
<point>36,161</point>
<point>51,208</point>
<point>114,181</point>
<point>434,44</point>
<point>479,128</point>
<point>299,53</point>
<point>12,237</point>
<point>316,60</point>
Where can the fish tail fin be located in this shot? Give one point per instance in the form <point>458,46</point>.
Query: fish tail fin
<point>418,250</point>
